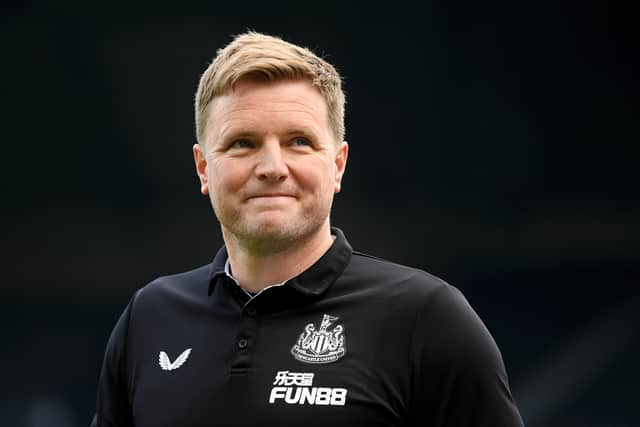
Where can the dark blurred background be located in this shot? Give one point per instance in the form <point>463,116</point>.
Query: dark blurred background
<point>494,145</point>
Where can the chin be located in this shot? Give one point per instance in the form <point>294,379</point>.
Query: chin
<point>274,235</point>
<point>273,230</point>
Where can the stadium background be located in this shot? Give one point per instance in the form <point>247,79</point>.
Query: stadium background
<point>494,145</point>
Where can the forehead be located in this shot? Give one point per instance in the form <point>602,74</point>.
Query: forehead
<point>266,106</point>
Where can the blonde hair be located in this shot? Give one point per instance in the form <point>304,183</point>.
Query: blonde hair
<point>262,57</point>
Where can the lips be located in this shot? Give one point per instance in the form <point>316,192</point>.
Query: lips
<point>269,195</point>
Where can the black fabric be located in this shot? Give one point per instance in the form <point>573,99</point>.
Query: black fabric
<point>413,352</point>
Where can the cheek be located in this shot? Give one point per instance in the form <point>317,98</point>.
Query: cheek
<point>318,178</point>
<point>225,177</point>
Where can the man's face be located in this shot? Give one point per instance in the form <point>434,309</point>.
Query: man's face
<point>270,164</point>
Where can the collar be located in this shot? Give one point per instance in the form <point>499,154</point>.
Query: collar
<point>313,281</point>
<point>227,272</point>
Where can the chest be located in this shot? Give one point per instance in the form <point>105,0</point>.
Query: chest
<point>324,367</point>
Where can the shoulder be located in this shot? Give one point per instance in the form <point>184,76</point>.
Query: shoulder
<point>443,322</point>
<point>406,296</point>
<point>392,279</point>
<point>448,332</point>
<point>188,285</point>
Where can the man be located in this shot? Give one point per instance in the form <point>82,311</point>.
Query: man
<point>288,325</point>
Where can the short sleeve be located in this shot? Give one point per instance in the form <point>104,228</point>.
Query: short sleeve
<point>113,408</point>
<point>459,378</point>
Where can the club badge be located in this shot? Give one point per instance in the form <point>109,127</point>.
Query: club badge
<point>321,345</point>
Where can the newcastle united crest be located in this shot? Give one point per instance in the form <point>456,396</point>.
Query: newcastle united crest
<point>320,345</point>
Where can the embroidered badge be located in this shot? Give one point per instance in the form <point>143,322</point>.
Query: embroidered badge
<point>322,345</point>
<point>167,365</point>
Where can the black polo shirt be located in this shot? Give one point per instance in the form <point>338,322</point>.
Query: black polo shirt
<point>352,341</point>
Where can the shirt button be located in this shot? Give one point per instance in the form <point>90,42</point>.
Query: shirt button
<point>242,344</point>
<point>251,311</point>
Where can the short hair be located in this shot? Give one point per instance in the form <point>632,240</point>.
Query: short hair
<point>263,57</point>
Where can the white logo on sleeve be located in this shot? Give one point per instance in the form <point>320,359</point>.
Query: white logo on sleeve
<point>322,345</point>
<point>166,364</point>
<point>303,393</point>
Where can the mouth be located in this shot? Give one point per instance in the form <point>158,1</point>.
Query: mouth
<point>270,196</point>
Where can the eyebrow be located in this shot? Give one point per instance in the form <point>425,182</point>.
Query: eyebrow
<point>239,132</point>
<point>305,130</point>
<point>243,133</point>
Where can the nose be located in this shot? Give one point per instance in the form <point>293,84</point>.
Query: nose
<point>271,164</point>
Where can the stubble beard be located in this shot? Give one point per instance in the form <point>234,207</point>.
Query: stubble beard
<point>262,239</point>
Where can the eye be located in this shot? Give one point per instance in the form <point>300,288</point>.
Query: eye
<point>241,143</point>
<point>301,142</point>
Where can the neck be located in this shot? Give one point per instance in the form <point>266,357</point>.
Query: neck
<point>255,270</point>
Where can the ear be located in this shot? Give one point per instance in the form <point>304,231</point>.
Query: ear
<point>341,164</point>
<point>201,168</point>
